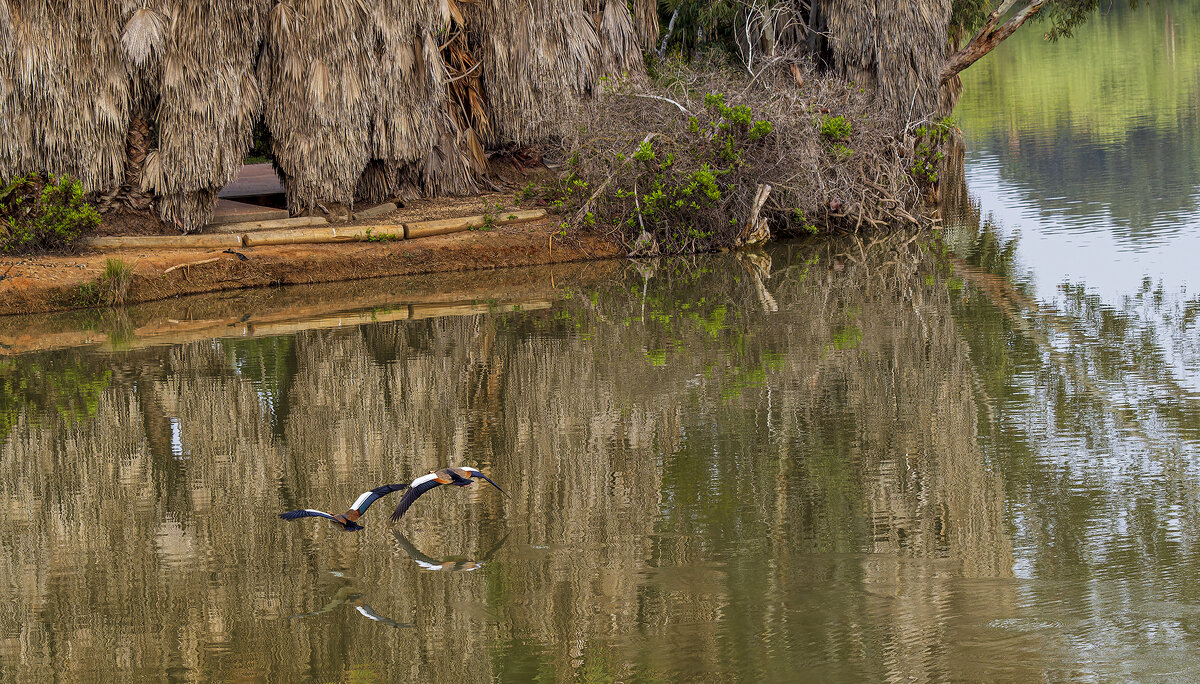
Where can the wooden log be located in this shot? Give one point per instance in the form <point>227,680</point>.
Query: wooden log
<point>316,236</point>
<point>457,225</point>
<point>277,224</point>
<point>102,244</point>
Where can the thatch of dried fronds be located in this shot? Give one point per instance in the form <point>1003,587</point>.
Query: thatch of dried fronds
<point>64,90</point>
<point>208,99</point>
<point>645,22</point>
<point>620,48</point>
<point>320,83</point>
<point>898,48</point>
<point>539,57</point>
<point>415,147</point>
<point>815,183</point>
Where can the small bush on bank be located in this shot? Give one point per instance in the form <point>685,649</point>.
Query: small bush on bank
<point>40,213</point>
<point>699,156</point>
<point>109,289</point>
<point>836,128</point>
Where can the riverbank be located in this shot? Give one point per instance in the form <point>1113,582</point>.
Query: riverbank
<point>46,283</point>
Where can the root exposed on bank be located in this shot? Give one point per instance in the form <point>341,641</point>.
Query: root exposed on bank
<point>694,158</point>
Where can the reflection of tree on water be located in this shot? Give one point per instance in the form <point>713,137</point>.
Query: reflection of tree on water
<point>694,453</point>
<point>1094,418</point>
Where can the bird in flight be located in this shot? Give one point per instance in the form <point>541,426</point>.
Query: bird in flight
<point>348,520</point>
<point>459,477</point>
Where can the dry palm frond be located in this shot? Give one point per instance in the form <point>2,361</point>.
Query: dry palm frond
<point>144,35</point>
<point>208,101</point>
<point>64,120</point>
<point>645,22</point>
<point>898,49</point>
<point>620,51</point>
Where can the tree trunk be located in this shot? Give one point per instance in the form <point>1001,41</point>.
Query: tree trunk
<point>988,37</point>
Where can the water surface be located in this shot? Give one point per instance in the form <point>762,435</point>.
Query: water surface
<point>972,459</point>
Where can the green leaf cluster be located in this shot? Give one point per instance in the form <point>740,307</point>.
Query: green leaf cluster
<point>40,213</point>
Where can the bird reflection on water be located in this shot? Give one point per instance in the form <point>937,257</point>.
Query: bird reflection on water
<point>348,594</point>
<point>450,564</point>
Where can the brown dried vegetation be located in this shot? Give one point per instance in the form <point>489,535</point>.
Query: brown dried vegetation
<point>681,163</point>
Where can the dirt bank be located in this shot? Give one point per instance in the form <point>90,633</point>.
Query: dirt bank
<point>52,283</point>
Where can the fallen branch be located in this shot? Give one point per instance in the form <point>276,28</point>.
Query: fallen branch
<point>664,99</point>
<point>193,263</point>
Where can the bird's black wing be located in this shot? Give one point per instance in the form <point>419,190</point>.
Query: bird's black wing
<point>367,498</point>
<point>412,495</point>
<point>479,474</point>
<point>306,513</point>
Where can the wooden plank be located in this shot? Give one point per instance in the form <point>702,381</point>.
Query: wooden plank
<point>230,211</point>
<point>275,224</point>
<point>208,241</point>
<point>253,180</point>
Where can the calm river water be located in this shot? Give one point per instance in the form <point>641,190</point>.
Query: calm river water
<point>906,460</point>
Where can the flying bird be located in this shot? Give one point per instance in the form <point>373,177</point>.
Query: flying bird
<point>459,477</point>
<point>348,519</point>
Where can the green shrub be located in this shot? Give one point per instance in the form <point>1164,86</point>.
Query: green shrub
<point>109,289</point>
<point>928,155</point>
<point>688,190</point>
<point>836,128</point>
<point>40,213</point>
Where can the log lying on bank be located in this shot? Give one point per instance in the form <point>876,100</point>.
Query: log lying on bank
<point>316,236</point>
<point>274,224</point>
<point>162,242</point>
<point>456,225</point>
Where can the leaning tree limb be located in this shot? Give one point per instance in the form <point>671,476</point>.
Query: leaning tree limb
<point>989,36</point>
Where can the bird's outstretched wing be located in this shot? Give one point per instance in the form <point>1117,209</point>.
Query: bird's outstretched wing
<point>306,513</point>
<point>365,611</point>
<point>365,499</point>
<point>479,474</point>
<point>415,490</point>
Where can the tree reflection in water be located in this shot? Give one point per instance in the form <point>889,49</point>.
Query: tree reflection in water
<point>733,467</point>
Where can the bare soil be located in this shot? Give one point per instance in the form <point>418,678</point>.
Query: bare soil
<point>52,282</point>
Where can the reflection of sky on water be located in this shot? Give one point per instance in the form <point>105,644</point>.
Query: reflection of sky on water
<point>1084,246</point>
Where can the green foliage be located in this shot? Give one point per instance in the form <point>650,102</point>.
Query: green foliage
<point>800,220</point>
<point>260,151</point>
<point>836,128</point>
<point>645,152</point>
<point>1063,16</point>
<point>928,155</point>
<point>39,213</point>
<point>687,190</point>
<point>841,152</point>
